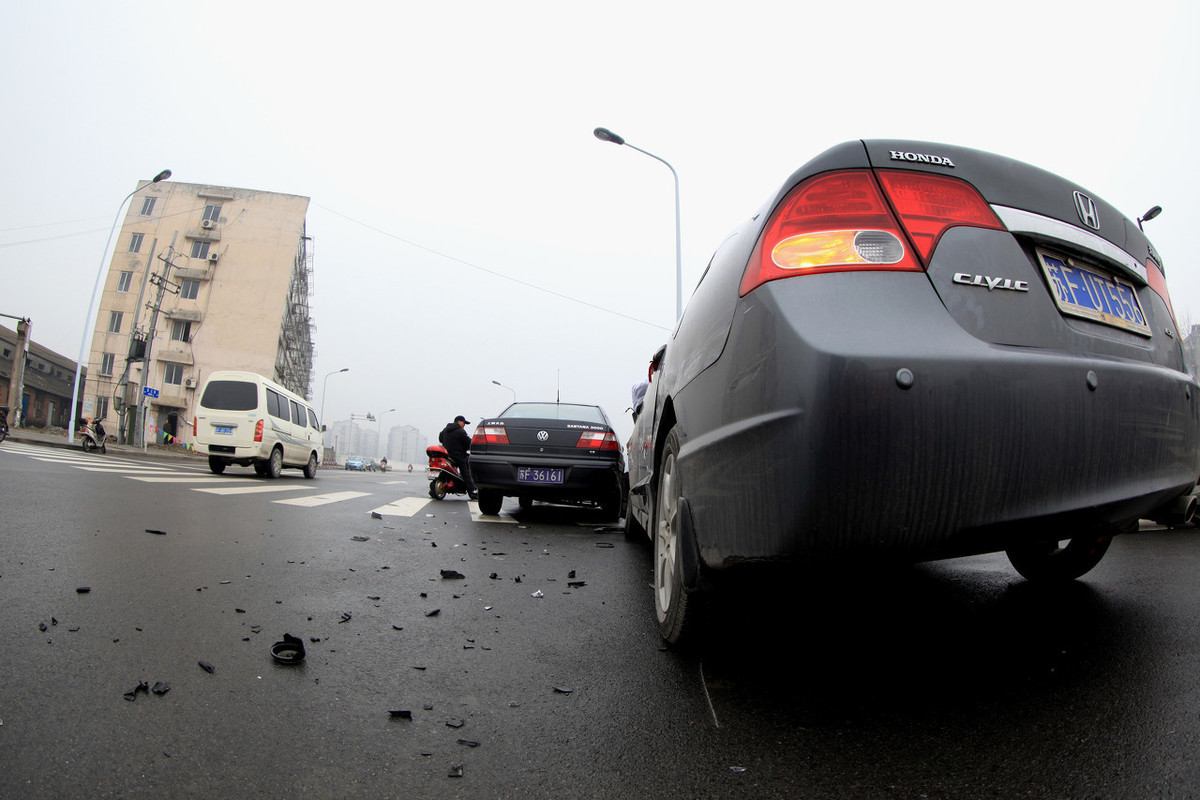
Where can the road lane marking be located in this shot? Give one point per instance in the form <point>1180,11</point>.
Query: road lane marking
<point>180,477</point>
<point>404,507</point>
<point>477,516</point>
<point>321,499</point>
<point>223,490</point>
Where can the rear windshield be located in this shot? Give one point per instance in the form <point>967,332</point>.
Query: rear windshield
<point>554,411</point>
<point>230,396</point>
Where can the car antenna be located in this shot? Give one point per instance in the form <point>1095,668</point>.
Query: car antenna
<point>1149,215</point>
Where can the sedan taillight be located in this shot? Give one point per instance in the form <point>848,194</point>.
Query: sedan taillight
<point>598,440</point>
<point>842,221</point>
<point>490,435</point>
<point>258,429</point>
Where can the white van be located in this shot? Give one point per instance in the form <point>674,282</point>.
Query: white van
<point>246,419</point>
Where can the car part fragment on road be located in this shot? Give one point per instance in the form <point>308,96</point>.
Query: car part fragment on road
<point>288,651</point>
<point>207,667</point>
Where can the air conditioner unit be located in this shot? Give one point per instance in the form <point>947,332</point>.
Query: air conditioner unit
<point>208,224</point>
<point>189,383</point>
<point>214,257</point>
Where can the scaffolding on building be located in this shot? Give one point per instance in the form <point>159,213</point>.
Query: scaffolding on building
<point>294,358</point>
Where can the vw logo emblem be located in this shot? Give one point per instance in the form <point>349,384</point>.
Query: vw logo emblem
<point>543,436</point>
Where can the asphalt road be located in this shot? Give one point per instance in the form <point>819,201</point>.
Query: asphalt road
<point>945,680</point>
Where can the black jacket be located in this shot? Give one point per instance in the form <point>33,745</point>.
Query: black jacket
<point>455,440</point>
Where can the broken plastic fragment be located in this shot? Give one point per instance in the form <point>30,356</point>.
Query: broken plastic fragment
<point>576,584</point>
<point>376,515</point>
<point>455,772</point>
<point>142,687</point>
<point>468,743</point>
<point>562,690</point>
<point>158,532</point>
<point>538,593</point>
<point>288,651</point>
<point>360,538</point>
<point>433,613</point>
<point>451,574</point>
<point>401,714</point>
<point>207,667</point>
<point>345,617</point>
<point>160,688</point>
<point>605,544</point>
<point>738,769</point>
<point>83,589</point>
<point>455,723</point>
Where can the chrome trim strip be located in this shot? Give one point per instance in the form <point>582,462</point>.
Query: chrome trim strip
<point>1018,221</point>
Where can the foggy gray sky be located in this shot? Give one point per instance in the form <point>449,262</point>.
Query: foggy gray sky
<point>467,226</point>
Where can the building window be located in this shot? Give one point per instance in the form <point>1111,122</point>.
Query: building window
<point>106,364</point>
<point>114,322</point>
<point>135,243</point>
<point>148,206</point>
<point>199,249</point>
<point>173,374</point>
<point>101,407</point>
<point>212,212</point>
<point>181,330</point>
<point>123,281</point>
<point>188,289</point>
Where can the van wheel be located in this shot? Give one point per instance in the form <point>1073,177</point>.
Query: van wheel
<point>275,465</point>
<point>216,465</point>
<point>310,469</point>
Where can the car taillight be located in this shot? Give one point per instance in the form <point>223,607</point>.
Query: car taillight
<point>492,435</point>
<point>929,204</point>
<point>598,440</point>
<point>1158,282</point>
<point>258,429</point>
<point>841,221</point>
<point>194,427</point>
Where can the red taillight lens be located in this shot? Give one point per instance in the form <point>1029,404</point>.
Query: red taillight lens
<point>194,427</point>
<point>833,222</point>
<point>1158,282</point>
<point>491,435</point>
<point>929,204</point>
<point>258,429</point>
<point>598,440</point>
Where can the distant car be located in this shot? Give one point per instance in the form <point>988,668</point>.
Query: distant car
<point>553,452</point>
<point>914,351</point>
<point>356,463</point>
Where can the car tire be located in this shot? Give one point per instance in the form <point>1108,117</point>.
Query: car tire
<point>215,465</point>
<point>275,464</point>
<point>490,501</point>
<point>437,489</point>
<point>310,469</point>
<point>525,501</point>
<point>1059,561</point>
<point>675,605</point>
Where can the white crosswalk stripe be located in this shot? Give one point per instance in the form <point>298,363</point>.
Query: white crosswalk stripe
<point>321,499</point>
<point>257,489</point>
<point>404,507</point>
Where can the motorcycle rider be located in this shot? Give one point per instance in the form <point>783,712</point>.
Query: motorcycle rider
<point>457,443</point>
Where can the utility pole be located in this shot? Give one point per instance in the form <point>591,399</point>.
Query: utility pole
<point>16,379</point>
<point>164,285</point>
<point>123,398</point>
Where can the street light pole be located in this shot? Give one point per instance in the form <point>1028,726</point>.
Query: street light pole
<point>325,387</point>
<point>87,322</point>
<point>502,386</point>
<point>605,135</point>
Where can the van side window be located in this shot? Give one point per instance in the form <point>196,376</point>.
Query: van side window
<point>276,405</point>
<point>312,420</point>
<point>297,413</point>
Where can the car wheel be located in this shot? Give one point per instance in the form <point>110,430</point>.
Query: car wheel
<point>490,501</point>
<point>1059,561</point>
<point>437,489</point>
<point>215,465</point>
<point>526,502</point>
<point>275,464</point>
<point>674,604</point>
<point>310,469</point>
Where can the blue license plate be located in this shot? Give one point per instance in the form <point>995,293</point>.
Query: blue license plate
<point>224,430</point>
<point>539,475</point>
<point>1087,293</point>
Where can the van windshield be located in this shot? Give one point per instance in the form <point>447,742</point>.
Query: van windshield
<point>230,396</point>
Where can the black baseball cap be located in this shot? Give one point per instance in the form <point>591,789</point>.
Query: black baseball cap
<point>461,418</point>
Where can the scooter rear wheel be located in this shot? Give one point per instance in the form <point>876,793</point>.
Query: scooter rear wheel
<point>437,489</point>
<point>87,444</point>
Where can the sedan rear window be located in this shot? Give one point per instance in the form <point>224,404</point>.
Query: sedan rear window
<point>554,411</point>
<point>230,396</point>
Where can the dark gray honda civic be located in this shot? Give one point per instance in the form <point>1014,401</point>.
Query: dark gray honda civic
<point>914,351</point>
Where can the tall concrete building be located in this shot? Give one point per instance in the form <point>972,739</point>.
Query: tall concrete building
<point>202,278</point>
<point>406,444</point>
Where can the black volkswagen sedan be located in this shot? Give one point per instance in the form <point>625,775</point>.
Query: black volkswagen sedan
<point>552,452</point>
<point>914,351</point>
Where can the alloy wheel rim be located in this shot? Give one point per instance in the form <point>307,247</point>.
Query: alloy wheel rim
<point>665,538</point>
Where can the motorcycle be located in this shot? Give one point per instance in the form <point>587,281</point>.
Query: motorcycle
<point>444,477</point>
<point>91,437</point>
<point>3,423</point>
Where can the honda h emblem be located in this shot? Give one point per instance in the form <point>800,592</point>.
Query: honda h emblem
<point>1087,211</point>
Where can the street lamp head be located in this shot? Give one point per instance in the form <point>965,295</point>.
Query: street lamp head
<point>498,383</point>
<point>162,176</point>
<point>605,135</point>
<point>344,369</point>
